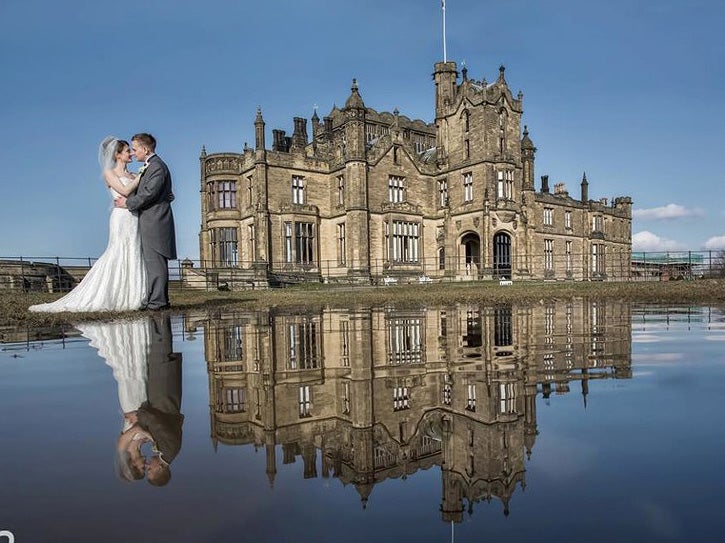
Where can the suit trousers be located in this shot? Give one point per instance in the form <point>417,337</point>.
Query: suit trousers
<point>157,272</point>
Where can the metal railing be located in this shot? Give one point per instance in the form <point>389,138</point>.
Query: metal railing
<point>60,274</point>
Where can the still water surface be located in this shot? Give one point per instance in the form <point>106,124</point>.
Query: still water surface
<point>571,421</point>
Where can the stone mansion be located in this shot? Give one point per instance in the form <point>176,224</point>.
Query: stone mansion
<point>375,196</point>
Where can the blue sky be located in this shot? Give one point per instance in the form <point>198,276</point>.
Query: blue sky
<point>629,91</point>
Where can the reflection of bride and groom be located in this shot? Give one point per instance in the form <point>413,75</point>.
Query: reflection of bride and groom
<point>148,374</point>
<point>132,273</point>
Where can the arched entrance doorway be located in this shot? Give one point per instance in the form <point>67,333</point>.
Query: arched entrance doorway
<point>502,255</point>
<point>470,255</point>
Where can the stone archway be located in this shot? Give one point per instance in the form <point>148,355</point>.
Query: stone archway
<point>470,256</point>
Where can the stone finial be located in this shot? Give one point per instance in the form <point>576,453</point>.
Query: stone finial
<point>355,100</point>
<point>203,151</point>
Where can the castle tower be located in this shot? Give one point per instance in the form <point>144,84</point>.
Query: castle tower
<point>527,158</point>
<point>356,186</point>
<point>261,220</point>
<point>445,76</point>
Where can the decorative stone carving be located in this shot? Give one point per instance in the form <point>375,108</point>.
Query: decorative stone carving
<point>225,164</point>
<point>299,208</point>
<point>400,206</point>
<point>458,225</point>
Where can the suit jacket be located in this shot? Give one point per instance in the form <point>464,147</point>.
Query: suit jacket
<point>161,414</point>
<point>152,204</point>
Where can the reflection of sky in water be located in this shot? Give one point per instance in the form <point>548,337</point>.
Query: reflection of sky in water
<point>631,458</point>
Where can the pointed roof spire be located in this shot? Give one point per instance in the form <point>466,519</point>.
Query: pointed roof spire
<point>259,118</point>
<point>355,100</point>
<point>584,179</point>
<point>314,114</point>
<point>203,151</point>
<point>501,70</point>
<point>526,142</point>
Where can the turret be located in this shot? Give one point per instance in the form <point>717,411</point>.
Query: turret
<point>445,76</point>
<point>545,184</point>
<point>585,188</point>
<point>315,125</point>
<point>354,125</point>
<point>356,186</point>
<point>259,131</point>
<point>527,155</point>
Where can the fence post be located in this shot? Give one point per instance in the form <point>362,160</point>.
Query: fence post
<point>57,271</point>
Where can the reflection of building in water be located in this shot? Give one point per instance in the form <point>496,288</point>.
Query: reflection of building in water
<point>384,393</point>
<point>27,337</point>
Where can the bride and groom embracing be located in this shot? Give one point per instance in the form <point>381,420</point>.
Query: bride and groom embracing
<point>133,272</point>
<point>148,374</point>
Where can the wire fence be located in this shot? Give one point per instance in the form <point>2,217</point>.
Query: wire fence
<point>61,274</point>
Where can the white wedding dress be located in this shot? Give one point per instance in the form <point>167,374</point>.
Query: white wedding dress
<point>125,347</point>
<point>117,281</point>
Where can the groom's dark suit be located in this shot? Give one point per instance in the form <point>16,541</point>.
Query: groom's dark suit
<point>161,414</point>
<point>152,204</point>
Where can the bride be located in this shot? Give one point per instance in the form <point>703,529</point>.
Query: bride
<point>125,348</point>
<point>117,281</point>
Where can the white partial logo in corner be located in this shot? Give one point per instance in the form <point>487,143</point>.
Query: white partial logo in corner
<point>8,534</point>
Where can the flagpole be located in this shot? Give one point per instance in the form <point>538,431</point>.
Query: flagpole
<point>443,6</point>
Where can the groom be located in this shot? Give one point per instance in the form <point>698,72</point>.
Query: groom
<point>152,203</point>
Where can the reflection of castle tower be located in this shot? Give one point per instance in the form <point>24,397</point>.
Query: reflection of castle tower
<point>369,395</point>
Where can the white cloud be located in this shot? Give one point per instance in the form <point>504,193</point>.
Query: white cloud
<point>647,241</point>
<point>715,243</point>
<point>670,211</point>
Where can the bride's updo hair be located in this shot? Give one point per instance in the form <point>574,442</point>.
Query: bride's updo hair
<point>120,146</point>
<point>107,151</point>
<point>147,140</point>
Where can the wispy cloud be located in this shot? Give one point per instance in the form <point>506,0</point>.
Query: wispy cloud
<point>715,243</point>
<point>665,213</point>
<point>647,241</point>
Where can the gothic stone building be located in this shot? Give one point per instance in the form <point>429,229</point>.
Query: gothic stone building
<point>369,395</point>
<point>375,195</point>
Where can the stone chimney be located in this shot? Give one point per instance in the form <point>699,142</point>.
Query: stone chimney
<point>299,136</point>
<point>279,141</point>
